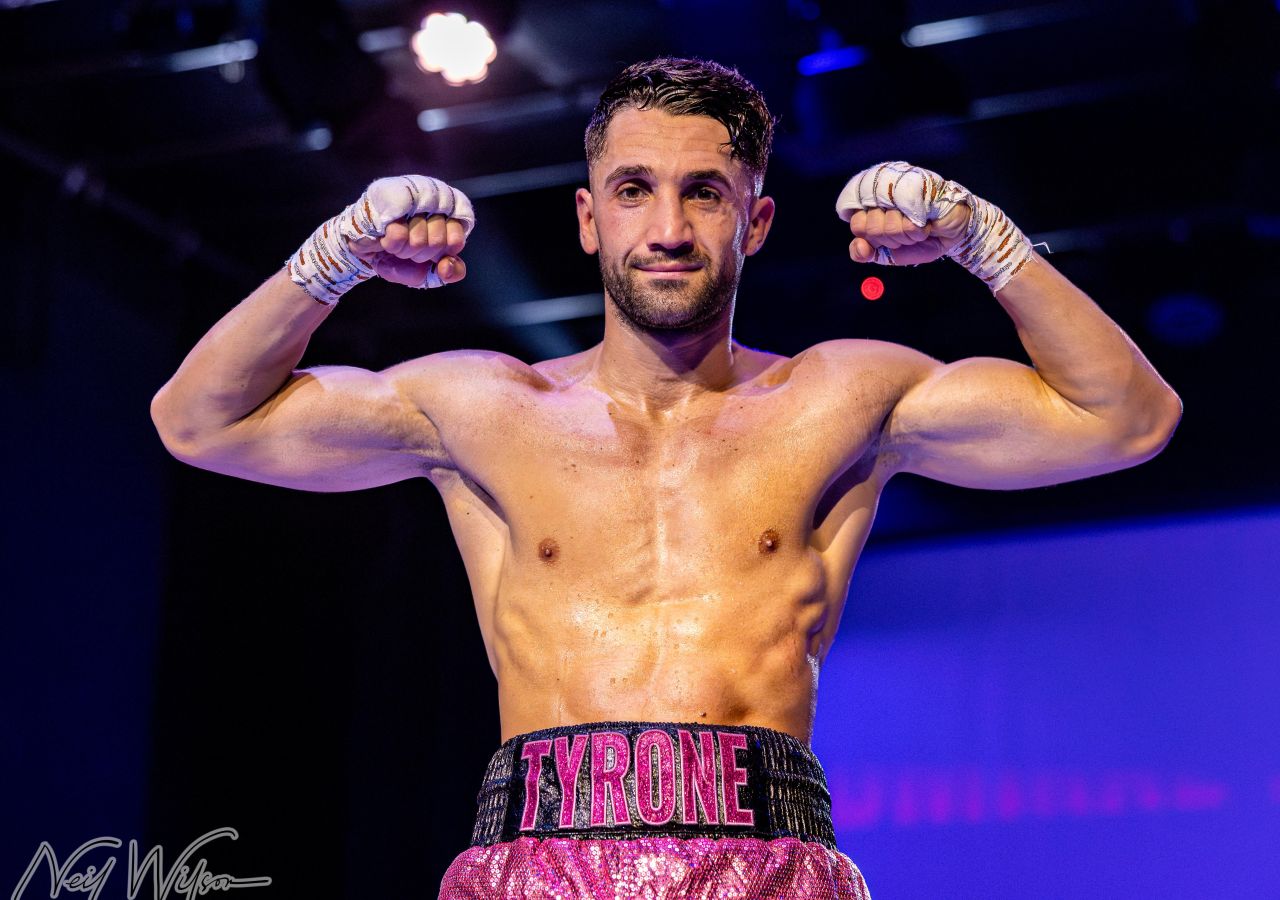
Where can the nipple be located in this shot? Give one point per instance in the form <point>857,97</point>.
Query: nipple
<point>769,541</point>
<point>548,550</point>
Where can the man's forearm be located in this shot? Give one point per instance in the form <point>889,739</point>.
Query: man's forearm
<point>248,356</point>
<point>244,359</point>
<point>1083,355</point>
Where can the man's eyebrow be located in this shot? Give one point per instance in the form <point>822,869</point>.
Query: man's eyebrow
<point>628,172</point>
<point>637,171</point>
<point>710,175</point>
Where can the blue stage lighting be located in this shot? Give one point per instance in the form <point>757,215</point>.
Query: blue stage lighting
<point>831,60</point>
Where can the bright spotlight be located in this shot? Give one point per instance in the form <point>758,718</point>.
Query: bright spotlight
<point>459,50</point>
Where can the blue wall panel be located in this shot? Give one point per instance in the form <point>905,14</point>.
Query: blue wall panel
<point>1058,713</point>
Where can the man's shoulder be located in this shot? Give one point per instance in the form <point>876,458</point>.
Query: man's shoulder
<point>857,378</point>
<point>465,368</point>
<point>865,358</point>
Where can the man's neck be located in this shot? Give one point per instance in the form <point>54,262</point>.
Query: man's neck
<point>661,371</point>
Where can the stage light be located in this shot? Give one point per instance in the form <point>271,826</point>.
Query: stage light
<point>831,60</point>
<point>456,48</point>
<point>318,137</point>
<point>965,27</point>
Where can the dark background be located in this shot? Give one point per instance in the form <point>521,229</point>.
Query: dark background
<point>187,651</point>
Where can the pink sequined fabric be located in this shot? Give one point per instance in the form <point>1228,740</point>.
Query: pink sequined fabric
<point>652,868</point>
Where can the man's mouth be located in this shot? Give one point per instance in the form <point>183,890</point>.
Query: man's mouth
<point>669,268</point>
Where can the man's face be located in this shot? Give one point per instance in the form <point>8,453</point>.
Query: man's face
<point>672,217</point>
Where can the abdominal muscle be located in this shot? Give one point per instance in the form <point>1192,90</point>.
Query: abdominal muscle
<point>740,654</point>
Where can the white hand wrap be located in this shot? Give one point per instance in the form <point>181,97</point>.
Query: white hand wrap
<point>326,268</point>
<point>992,247</point>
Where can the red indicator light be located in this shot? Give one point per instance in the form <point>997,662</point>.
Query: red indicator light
<point>872,288</point>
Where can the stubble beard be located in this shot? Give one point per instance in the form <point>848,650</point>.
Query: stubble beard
<point>682,304</point>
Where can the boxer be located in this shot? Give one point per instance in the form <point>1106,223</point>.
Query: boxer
<point>659,531</point>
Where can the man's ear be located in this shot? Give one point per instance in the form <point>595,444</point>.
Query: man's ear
<point>587,235</point>
<point>762,209</point>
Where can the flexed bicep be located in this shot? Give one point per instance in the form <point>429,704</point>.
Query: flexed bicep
<point>984,422</point>
<point>330,428</point>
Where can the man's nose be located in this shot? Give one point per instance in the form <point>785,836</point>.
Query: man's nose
<point>669,226</point>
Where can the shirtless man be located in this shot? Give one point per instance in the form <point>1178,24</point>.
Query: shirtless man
<point>660,531</point>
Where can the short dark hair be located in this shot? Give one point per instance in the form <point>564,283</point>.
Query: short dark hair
<point>690,87</point>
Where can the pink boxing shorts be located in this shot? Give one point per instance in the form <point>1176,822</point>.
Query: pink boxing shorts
<point>654,810</point>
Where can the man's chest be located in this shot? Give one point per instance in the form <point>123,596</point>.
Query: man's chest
<point>743,461</point>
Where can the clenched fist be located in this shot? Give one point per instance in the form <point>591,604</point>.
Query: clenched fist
<point>909,244</point>
<point>408,229</point>
<point>903,215</point>
<point>413,249</point>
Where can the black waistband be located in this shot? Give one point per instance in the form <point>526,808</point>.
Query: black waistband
<point>700,781</point>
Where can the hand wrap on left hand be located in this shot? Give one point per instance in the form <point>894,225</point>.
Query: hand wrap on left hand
<point>991,247</point>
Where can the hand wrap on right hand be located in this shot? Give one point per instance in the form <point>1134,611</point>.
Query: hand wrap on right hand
<point>326,268</point>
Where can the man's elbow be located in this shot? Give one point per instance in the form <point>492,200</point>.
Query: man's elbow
<point>1160,420</point>
<point>181,441</point>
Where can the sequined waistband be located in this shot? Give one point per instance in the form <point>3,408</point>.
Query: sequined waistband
<point>640,779</point>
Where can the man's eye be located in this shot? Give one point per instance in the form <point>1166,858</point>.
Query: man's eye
<point>630,192</point>
<point>706,193</point>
